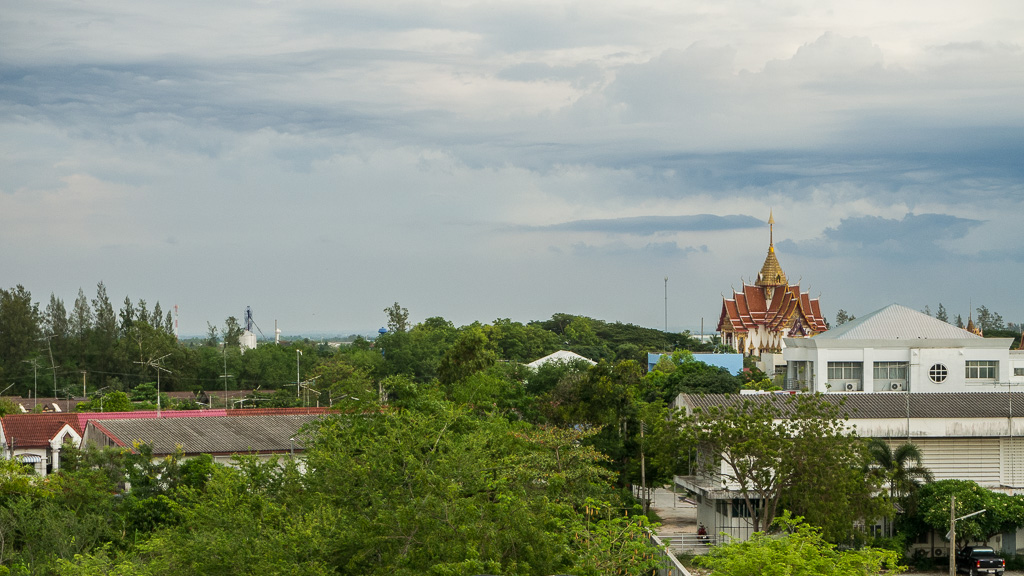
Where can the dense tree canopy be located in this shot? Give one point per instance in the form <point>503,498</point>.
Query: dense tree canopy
<point>791,452</point>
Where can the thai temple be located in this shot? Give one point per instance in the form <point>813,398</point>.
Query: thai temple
<point>758,317</point>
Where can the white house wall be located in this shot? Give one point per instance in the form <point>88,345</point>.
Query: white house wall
<point>980,449</point>
<point>953,355</point>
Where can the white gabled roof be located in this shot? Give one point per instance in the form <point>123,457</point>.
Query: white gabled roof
<point>896,322</point>
<point>560,356</point>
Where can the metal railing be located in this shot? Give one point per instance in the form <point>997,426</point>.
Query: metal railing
<point>688,542</point>
<point>670,565</point>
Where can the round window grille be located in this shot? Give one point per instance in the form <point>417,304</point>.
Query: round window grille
<point>938,373</point>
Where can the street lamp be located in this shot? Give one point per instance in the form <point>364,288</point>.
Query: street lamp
<point>952,532</point>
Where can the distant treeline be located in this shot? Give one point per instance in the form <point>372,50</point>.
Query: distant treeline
<point>56,351</point>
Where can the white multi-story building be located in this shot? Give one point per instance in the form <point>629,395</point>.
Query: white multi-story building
<point>897,349</point>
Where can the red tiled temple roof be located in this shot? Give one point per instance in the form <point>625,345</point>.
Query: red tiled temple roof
<point>748,309</point>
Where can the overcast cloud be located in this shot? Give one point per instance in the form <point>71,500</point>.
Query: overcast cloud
<point>319,161</point>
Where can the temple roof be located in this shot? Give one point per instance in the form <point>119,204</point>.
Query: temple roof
<point>771,273</point>
<point>749,308</point>
<point>761,304</point>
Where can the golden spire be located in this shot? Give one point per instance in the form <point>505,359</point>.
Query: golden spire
<point>771,273</point>
<point>971,327</point>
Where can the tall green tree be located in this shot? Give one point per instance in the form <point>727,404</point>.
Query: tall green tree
<point>771,448</point>
<point>900,468</point>
<point>469,354</point>
<point>988,320</point>
<point>232,333</point>
<point>1003,513</point>
<point>398,318</point>
<point>104,334</point>
<point>842,317</point>
<point>19,328</point>
<point>128,315</point>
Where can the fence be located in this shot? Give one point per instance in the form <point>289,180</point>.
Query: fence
<point>688,542</point>
<point>670,565</point>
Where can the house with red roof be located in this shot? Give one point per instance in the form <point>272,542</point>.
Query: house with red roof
<point>38,439</point>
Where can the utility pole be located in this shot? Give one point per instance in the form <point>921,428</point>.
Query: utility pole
<point>156,365</point>
<point>53,365</point>
<point>35,380</point>
<point>666,303</point>
<point>298,381</point>
<point>952,536</point>
<point>952,532</point>
<point>643,470</point>
<point>225,377</point>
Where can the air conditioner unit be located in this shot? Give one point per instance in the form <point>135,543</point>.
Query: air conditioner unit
<point>938,552</point>
<point>850,386</point>
<point>896,386</point>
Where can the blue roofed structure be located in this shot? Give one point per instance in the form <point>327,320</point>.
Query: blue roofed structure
<point>731,362</point>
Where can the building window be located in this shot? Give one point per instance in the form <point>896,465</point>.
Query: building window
<point>1018,371</point>
<point>982,369</point>
<point>890,370</point>
<point>938,373</point>
<point>845,371</point>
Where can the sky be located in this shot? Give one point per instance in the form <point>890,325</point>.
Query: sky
<point>319,161</point>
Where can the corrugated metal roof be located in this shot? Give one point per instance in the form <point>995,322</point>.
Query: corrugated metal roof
<point>209,435</point>
<point>896,322</point>
<point>889,404</point>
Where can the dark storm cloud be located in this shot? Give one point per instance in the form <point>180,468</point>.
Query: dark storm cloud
<point>649,225</point>
<point>912,238</point>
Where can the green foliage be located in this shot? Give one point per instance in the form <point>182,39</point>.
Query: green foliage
<point>842,317</point>
<point>900,469</point>
<point>19,330</point>
<point>144,393</point>
<point>1004,513</point>
<point>232,333</point>
<point>798,551</point>
<point>398,318</point>
<point>8,406</point>
<point>469,354</point>
<point>116,402</point>
<point>616,545</point>
<point>518,343</point>
<point>348,384</point>
<point>683,373</point>
<point>787,451</point>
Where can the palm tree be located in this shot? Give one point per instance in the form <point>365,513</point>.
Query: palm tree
<point>901,469</point>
